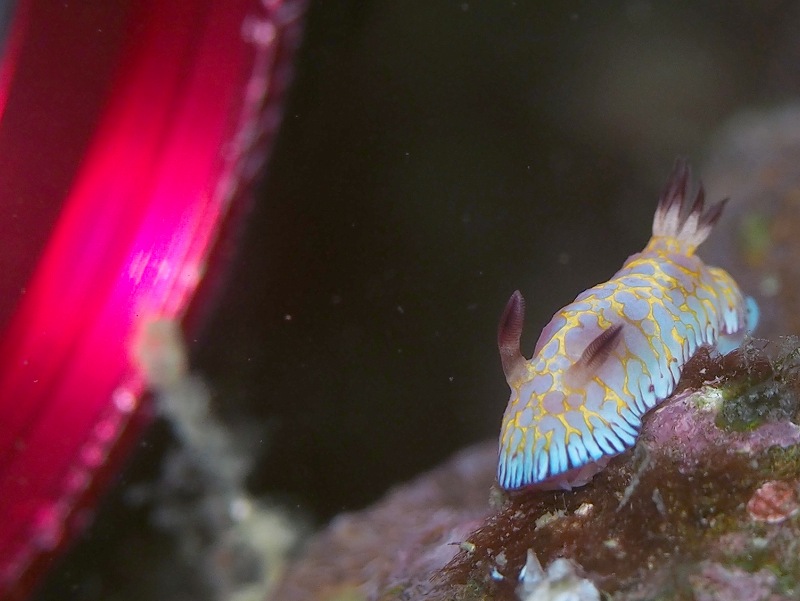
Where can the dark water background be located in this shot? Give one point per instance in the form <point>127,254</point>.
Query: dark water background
<point>434,157</point>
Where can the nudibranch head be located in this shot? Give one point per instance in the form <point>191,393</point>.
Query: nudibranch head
<point>560,425</point>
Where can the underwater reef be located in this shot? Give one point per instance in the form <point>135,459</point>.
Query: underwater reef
<point>704,507</point>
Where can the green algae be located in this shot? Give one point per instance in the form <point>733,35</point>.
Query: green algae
<point>748,407</point>
<point>755,237</point>
<point>780,463</point>
<point>761,390</point>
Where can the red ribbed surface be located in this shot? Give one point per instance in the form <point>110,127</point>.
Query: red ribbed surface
<point>188,110</point>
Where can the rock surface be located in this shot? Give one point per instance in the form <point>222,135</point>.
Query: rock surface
<point>673,517</point>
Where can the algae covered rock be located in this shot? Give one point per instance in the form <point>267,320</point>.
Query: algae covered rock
<point>679,516</point>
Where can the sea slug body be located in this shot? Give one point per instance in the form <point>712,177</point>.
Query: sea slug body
<point>617,350</point>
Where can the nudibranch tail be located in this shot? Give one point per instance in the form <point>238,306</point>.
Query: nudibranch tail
<point>617,351</point>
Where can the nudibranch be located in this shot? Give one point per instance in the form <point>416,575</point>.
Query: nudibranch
<point>617,350</point>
